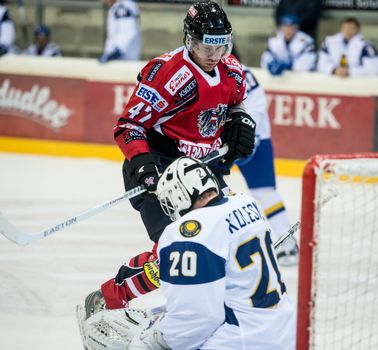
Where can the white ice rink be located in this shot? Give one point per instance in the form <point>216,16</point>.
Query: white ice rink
<point>40,284</point>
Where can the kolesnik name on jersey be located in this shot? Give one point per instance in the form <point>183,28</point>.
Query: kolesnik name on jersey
<point>243,216</point>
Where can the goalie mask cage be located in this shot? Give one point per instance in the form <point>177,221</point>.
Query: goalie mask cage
<point>338,266</point>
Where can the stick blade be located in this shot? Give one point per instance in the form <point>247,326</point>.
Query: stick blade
<point>8,230</point>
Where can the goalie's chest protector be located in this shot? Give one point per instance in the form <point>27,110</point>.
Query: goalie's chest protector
<point>195,103</point>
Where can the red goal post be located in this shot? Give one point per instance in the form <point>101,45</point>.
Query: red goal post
<point>338,251</point>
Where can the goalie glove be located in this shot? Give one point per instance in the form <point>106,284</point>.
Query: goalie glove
<point>151,338</point>
<point>113,329</point>
<point>239,134</point>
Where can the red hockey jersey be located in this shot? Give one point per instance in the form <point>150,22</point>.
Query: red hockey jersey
<point>176,98</point>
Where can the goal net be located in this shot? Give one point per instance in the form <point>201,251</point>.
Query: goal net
<point>338,269</point>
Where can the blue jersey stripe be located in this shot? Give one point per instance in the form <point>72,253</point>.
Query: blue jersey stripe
<point>206,267</point>
<point>230,316</point>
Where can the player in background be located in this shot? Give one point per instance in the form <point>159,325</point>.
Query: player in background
<point>7,31</point>
<point>258,170</point>
<point>43,46</point>
<point>219,274</point>
<point>291,49</point>
<point>189,101</point>
<point>123,37</point>
<point>347,53</point>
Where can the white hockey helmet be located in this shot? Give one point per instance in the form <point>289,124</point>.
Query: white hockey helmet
<point>182,183</point>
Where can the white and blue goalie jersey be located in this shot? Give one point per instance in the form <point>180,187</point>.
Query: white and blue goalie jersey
<point>222,283</point>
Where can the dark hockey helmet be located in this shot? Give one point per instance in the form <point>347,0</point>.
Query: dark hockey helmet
<point>207,23</point>
<point>206,18</point>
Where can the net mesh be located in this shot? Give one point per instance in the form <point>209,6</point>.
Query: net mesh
<point>345,260</point>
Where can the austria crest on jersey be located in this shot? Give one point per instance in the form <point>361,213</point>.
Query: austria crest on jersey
<point>211,120</point>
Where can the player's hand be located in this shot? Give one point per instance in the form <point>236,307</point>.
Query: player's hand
<point>277,67</point>
<point>111,56</point>
<point>239,134</point>
<point>341,72</point>
<point>144,169</point>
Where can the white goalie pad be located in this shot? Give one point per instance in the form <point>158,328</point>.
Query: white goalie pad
<point>112,329</point>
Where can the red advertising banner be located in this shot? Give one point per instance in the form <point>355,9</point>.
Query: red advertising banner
<point>83,110</point>
<point>104,104</point>
<point>41,107</point>
<point>307,124</point>
<point>60,108</point>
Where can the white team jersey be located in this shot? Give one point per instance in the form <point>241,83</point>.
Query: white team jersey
<point>300,52</point>
<point>123,32</point>
<point>50,50</point>
<point>256,106</point>
<point>7,30</point>
<point>361,55</point>
<point>222,282</point>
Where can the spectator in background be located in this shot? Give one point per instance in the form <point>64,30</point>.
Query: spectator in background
<point>290,49</point>
<point>347,53</point>
<point>42,45</point>
<point>123,39</point>
<point>7,30</point>
<point>308,12</point>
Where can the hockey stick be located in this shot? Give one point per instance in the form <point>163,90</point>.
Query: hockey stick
<point>287,235</point>
<point>21,238</point>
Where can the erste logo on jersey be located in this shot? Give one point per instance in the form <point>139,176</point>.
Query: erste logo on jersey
<point>211,120</point>
<point>178,80</point>
<point>150,95</point>
<point>190,228</point>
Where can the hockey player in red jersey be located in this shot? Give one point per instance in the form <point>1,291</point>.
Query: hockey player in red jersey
<point>186,102</point>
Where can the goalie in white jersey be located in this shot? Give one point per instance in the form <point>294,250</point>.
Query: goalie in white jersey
<point>218,272</point>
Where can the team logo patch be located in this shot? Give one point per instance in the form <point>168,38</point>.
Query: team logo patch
<point>121,12</point>
<point>192,11</point>
<point>150,95</point>
<point>211,120</point>
<point>179,79</point>
<point>190,228</point>
<point>152,272</point>
<point>151,74</point>
<point>233,63</point>
<point>187,93</point>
